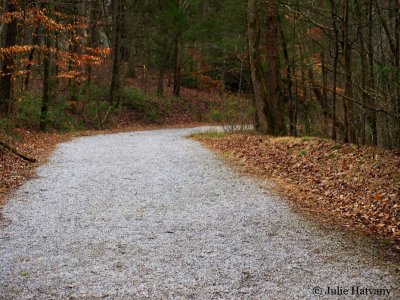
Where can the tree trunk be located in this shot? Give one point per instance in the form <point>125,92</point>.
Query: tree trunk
<point>274,94</point>
<point>6,80</point>
<point>35,41</point>
<point>257,74</point>
<point>335,67</point>
<point>373,117</point>
<point>94,38</point>
<point>46,83</point>
<point>397,66</point>
<point>325,92</point>
<point>349,136</point>
<point>289,85</point>
<point>116,82</point>
<point>178,65</point>
<point>160,88</point>
<point>364,73</point>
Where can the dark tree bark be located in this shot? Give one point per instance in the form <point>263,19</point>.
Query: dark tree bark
<point>396,6</point>
<point>46,83</point>
<point>257,74</point>
<point>289,86</point>
<point>274,94</point>
<point>373,116</point>
<point>364,72</point>
<point>93,39</point>
<point>178,64</point>
<point>6,80</point>
<point>325,92</point>
<point>349,136</point>
<point>35,41</point>
<point>116,83</point>
<point>335,67</point>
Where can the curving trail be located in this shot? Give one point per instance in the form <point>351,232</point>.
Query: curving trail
<point>153,215</point>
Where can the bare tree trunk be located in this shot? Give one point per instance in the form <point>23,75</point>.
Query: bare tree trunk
<point>324,91</point>
<point>93,40</point>
<point>371,83</point>
<point>292,125</point>
<point>6,80</point>
<point>397,66</point>
<point>35,41</point>
<point>335,67</point>
<point>257,74</point>
<point>178,65</point>
<point>274,94</point>
<point>349,135</point>
<point>363,72</point>
<point>46,82</point>
<point>116,83</point>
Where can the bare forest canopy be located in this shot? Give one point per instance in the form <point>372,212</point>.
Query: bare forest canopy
<point>325,67</point>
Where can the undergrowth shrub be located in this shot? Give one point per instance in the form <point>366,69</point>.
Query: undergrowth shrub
<point>4,125</point>
<point>96,92</point>
<point>96,106</point>
<point>190,81</point>
<point>234,113</point>
<point>59,119</point>
<point>134,100</point>
<point>153,108</point>
<point>28,110</point>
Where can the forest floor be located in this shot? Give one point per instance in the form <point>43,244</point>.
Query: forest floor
<point>155,215</point>
<point>343,185</point>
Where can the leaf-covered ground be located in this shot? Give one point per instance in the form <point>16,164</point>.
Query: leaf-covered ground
<point>347,185</point>
<point>14,170</point>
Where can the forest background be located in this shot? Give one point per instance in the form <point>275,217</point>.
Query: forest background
<point>325,68</point>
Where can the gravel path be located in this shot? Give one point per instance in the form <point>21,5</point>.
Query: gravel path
<point>153,215</point>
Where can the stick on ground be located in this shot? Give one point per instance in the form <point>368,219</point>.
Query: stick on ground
<point>16,152</point>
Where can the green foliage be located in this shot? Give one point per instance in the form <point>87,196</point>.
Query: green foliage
<point>96,92</point>
<point>25,274</point>
<point>134,100</point>
<point>196,112</point>
<point>28,110</point>
<point>216,115</point>
<point>59,119</point>
<point>302,153</point>
<point>153,108</point>
<point>4,125</point>
<point>59,116</point>
<point>96,104</point>
<point>190,81</point>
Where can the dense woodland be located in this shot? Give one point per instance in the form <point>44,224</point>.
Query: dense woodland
<point>329,68</point>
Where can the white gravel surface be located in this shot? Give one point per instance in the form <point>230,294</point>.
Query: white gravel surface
<point>153,215</point>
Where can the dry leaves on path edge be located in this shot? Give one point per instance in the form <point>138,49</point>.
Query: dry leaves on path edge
<point>343,184</point>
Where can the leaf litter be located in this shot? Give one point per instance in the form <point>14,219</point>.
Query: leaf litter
<point>343,184</point>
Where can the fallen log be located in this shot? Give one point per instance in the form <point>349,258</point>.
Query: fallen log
<point>16,152</point>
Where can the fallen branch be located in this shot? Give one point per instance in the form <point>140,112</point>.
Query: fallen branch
<point>16,152</point>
